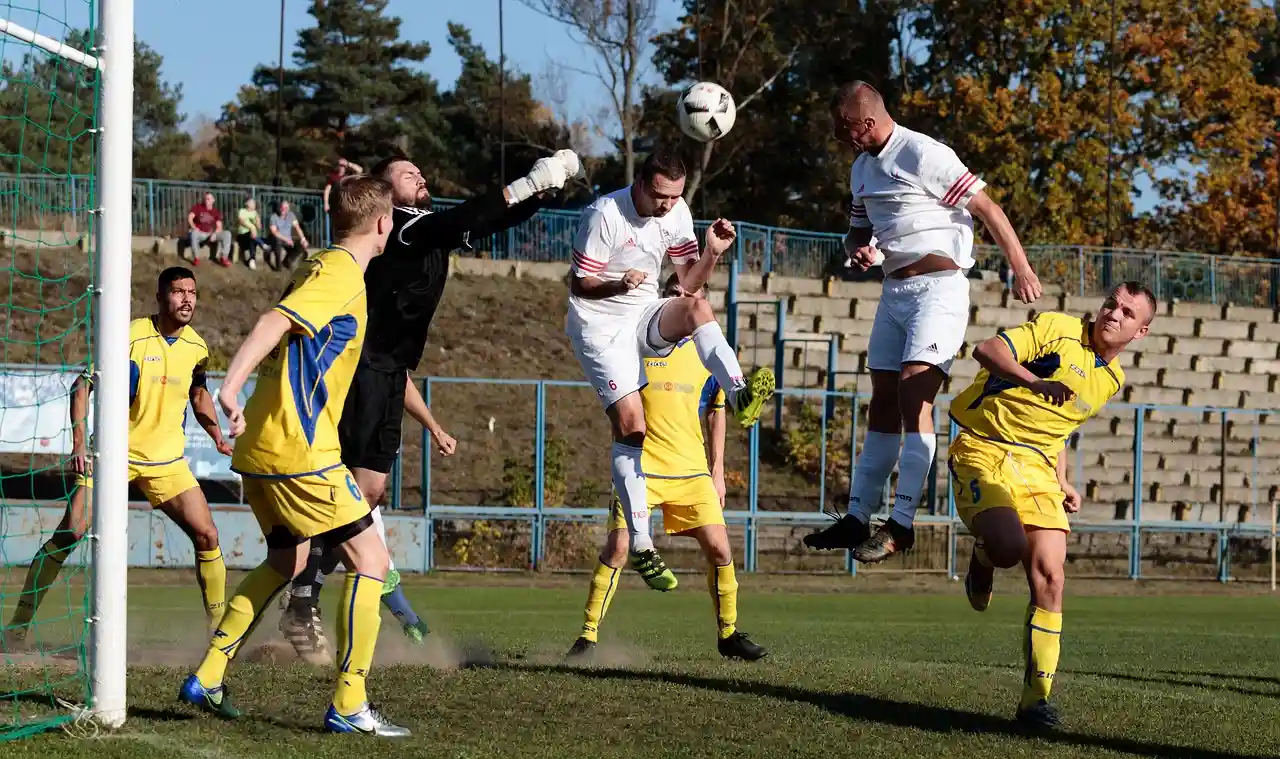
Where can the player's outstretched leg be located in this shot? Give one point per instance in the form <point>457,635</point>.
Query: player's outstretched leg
<point>604,584</point>
<point>629,487</point>
<point>871,471</point>
<point>1045,563</point>
<point>393,597</point>
<point>47,563</point>
<point>722,582</point>
<point>300,621</point>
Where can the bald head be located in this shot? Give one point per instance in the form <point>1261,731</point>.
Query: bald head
<point>860,118</point>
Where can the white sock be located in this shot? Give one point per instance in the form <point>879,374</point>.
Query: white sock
<point>382,533</point>
<point>719,358</point>
<point>629,484</point>
<point>913,470</point>
<point>872,470</point>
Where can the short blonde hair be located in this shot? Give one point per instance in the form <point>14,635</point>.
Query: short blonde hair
<point>356,201</point>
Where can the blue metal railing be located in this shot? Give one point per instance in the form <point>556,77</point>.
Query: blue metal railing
<point>36,201</point>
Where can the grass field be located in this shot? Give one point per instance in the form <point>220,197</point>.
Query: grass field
<point>851,673</point>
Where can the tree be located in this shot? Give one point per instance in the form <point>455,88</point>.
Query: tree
<point>617,31</point>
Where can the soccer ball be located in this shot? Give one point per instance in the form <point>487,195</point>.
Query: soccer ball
<point>706,111</point>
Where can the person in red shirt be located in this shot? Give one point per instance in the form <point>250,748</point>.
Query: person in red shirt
<point>204,226</point>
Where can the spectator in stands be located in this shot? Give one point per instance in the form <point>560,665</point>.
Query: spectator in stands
<point>284,249</point>
<point>344,168</point>
<point>249,232</point>
<point>204,226</point>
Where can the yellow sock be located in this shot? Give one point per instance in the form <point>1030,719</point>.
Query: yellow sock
<point>723,585</point>
<point>240,616</point>
<point>211,572</point>
<point>1041,646</point>
<point>44,569</point>
<point>604,584</point>
<point>358,625</point>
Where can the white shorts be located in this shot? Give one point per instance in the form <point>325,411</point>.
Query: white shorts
<point>612,353</point>
<point>921,319</point>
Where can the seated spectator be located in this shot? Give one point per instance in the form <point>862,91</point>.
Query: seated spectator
<point>285,248</point>
<point>249,232</point>
<point>204,226</point>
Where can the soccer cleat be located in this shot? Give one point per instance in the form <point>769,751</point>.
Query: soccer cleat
<point>215,701</point>
<point>653,570</point>
<point>978,584</point>
<point>389,585</point>
<point>847,532</point>
<point>739,646</point>
<point>581,649</point>
<point>891,538</point>
<point>416,632</point>
<point>367,721</point>
<point>750,400</point>
<point>1040,716</point>
<point>302,628</point>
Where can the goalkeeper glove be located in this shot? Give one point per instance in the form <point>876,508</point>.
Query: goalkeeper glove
<point>546,174</point>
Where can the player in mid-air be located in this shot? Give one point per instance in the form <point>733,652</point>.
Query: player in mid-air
<point>405,286</point>
<point>290,460</point>
<point>684,476</point>
<point>1038,384</point>
<point>616,319</point>
<point>917,199</point>
<point>167,361</point>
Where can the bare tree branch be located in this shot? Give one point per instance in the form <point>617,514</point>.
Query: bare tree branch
<point>782,68</point>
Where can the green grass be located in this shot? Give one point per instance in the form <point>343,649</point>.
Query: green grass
<point>850,674</point>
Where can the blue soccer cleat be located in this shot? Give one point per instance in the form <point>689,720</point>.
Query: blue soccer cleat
<point>367,721</point>
<point>215,701</point>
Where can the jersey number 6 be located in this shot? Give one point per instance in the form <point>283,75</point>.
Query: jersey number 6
<point>613,385</point>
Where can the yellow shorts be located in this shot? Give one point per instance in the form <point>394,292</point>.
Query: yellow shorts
<point>686,503</point>
<point>158,482</point>
<point>990,476</point>
<point>305,506</point>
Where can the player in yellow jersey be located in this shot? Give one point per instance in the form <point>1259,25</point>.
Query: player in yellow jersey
<point>1039,382</point>
<point>290,459</point>
<point>167,362</point>
<point>684,476</point>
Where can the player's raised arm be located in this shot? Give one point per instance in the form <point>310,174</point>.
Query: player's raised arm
<point>695,270</point>
<point>1026,284</point>
<point>998,355</point>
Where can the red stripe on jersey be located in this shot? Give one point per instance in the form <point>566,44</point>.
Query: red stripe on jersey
<point>587,264</point>
<point>686,248</point>
<point>959,188</point>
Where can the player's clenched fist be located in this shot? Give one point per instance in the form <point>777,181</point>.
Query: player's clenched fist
<point>235,414</point>
<point>1026,285</point>
<point>1053,392</point>
<point>720,235</point>
<point>633,278</point>
<point>547,174</point>
<point>865,257</point>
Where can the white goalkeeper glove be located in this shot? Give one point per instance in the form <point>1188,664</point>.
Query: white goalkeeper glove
<point>546,174</point>
<point>572,163</point>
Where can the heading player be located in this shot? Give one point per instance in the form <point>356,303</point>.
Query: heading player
<point>289,457</point>
<point>167,361</point>
<point>1039,382</point>
<point>616,319</point>
<point>404,289</point>
<point>684,476</point>
<point>917,200</point>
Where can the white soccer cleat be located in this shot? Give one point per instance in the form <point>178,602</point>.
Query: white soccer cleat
<point>367,721</point>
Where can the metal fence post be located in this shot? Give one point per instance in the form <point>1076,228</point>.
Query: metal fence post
<point>1080,257</point>
<point>540,481</point>
<point>753,495</point>
<point>429,539</point>
<point>151,207</point>
<point>779,359</point>
<point>731,303</point>
<point>1135,535</point>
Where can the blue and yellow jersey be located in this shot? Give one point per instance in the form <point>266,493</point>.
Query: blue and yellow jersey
<point>292,418</point>
<point>679,393</point>
<point>162,371</point>
<point>1053,346</point>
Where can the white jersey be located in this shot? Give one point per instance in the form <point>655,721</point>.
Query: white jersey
<point>913,196</point>
<point>613,238</point>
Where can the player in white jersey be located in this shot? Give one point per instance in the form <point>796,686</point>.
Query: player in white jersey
<point>917,199</point>
<point>616,319</point>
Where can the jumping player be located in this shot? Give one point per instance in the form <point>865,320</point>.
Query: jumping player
<point>918,200</point>
<point>616,319</point>
<point>167,361</point>
<point>1038,384</point>
<point>404,289</point>
<point>684,476</point>
<point>289,457</point>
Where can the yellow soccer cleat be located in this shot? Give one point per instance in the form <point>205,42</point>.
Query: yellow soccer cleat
<point>749,401</point>
<point>653,570</point>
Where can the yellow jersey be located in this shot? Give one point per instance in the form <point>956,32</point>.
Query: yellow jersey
<point>291,421</point>
<point>679,393</point>
<point>162,371</point>
<point>1053,346</point>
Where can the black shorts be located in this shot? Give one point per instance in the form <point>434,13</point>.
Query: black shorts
<point>369,431</point>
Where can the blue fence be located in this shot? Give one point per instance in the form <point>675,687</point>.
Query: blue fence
<point>32,201</point>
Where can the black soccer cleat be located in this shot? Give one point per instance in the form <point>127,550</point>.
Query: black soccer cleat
<point>891,538</point>
<point>581,649</point>
<point>1040,716</point>
<point>739,646</point>
<point>979,582</point>
<point>848,532</point>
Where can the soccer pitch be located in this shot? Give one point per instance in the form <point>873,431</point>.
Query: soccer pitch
<point>864,671</point>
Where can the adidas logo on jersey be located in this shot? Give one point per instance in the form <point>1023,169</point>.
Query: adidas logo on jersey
<point>932,348</point>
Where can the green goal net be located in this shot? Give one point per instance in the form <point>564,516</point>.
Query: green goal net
<point>48,98</point>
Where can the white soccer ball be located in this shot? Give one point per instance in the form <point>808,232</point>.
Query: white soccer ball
<point>706,111</point>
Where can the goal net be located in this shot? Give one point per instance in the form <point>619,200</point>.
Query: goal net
<point>62,629</point>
